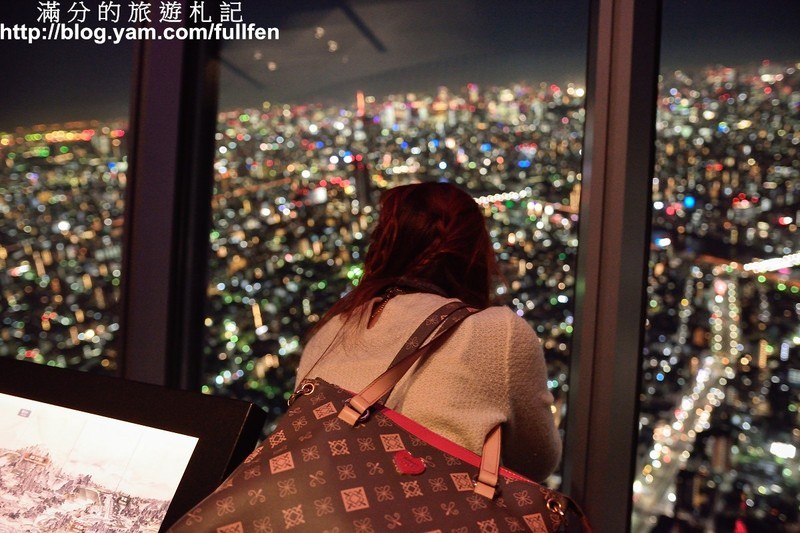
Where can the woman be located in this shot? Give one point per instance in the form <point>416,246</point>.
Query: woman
<point>430,247</point>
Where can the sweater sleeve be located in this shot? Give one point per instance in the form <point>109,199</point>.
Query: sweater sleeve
<point>531,443</point>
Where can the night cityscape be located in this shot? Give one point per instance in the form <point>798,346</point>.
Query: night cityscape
<point>61,202</point>
<point>720,390</point>
<point>296,191</point>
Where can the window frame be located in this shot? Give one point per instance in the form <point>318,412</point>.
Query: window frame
<point>173,120</point>
<point>168,209</point>
<point>615,208</point>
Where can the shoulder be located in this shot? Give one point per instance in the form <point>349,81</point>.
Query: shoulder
<point>502,320</point>
<point>495,327</point>
<point>499,313</point>
<point>497,337</point>
<point>493,320</point>
<point>323,336</point>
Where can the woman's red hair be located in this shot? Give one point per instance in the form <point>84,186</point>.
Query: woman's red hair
<point>427,233</point>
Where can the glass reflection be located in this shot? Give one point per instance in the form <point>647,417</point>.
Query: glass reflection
<point>299,169</point>
<point>61,215</point>
<point>720,379</point>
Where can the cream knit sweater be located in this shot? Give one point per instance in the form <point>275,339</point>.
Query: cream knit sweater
<point>491,370</point>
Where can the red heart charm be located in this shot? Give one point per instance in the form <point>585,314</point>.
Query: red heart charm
<point>405,463</point>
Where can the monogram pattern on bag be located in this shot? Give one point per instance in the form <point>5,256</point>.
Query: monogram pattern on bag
<point>324,410</point>
<point>476,502</point>
<point>332,425</point>
<point>462,481</point>
<point>310,454</point>
<point>324,506</point>
<point>346,472</point>
<point>449,508</point>
<point>280,463</point>
<point>383,421</point>
<point>316,479</point>
<point>287,487</point>
<point>256,496</point>
<point>392,442</point>
<point>384,493</point>
<point>438,484</point>
<point>523,498</point>
<point>363,526</point>
<point>296,480</point>
<point>411,489</point>
<point>393,520</point>
<point>415,441</point>
<point>513,524</point>
<point>194,516</point>
<point>318,398</point>
<point>225,506</point>
<point>339,447</point>
<point>411,344</point>
<point>451,461</point>
<point>262,525</point>
<point>253,472</point>
<point>535,523</point>
<point>422,514</point>
<point>236,527</point>
<point>354,499</point>
<point>253,456</point>
<point>277,438</point>
<point>293,516</point>
<point>488,526</point>
<point>300,423</point>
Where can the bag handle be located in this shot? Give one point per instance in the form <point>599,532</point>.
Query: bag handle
<point>357,408</point>
<point>489,474</point>
<point>447,316</point>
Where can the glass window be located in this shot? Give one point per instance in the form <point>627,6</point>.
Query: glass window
<point>63,160</point>
<point>352,101</point>
<point>721,366</point>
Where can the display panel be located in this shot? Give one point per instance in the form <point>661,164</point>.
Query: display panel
<point>62,469</point>
<point>148,434</point>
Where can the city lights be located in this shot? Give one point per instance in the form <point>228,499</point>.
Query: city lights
<point>296,193</point>
<point>771,265</point>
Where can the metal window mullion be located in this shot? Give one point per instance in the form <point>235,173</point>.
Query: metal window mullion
<point>168,206</point>
<point>614,232</point>
<point>150,211</point>
<point>194,212</point>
